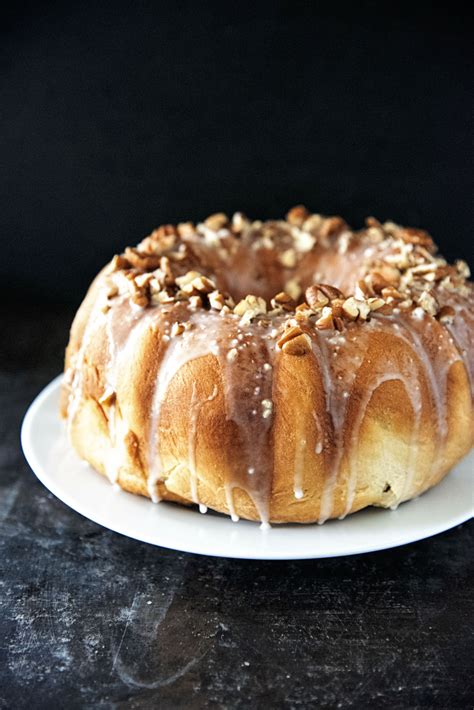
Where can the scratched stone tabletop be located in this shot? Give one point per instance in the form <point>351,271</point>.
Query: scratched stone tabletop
<point>91,619</point>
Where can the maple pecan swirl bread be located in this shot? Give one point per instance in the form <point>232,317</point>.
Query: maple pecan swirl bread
<point>290,370</point>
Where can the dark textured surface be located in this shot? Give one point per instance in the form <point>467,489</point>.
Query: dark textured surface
<point>93,619</point>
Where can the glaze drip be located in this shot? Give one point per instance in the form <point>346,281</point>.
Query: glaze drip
<point>247,380</point>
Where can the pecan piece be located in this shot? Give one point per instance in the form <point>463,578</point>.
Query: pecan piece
<point>363,290</point>
<point>295,341</point>
<point>239,222</point>
<point>326,321</point>
<point>290,333</point>
<point>216,221</point>
<point>391,294</point>
<point>373,222</point>
<point>462,268</point>
<point>415,236</point>
<point>177,329</point>
<point>186,229</point>
<point>284,301</point>
<point>144,262</point>
<point>337,307</point>
<point>315,297</point>
<point>332,225</point>
<point>330,292</point>
<point>297,215</point>
<point>118,263</point>
<point>377,282</point>
<point>250,307</point>
<point>446,314</point>
<point>429,303</point>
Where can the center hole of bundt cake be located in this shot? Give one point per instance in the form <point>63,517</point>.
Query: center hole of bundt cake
<point>266,274</point>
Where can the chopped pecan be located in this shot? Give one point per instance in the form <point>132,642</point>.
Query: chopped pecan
<point>289,334</point>
<point>446,314</point>
<point>163,296</point>
<point>337,307</point>
<point>343,242</point>
<point>297,215</point>
<point>375,303</point>
<point>377,282</point>
<point>165,269</point>
<point>415,236</point>
<point>350,308</point>
<point>177,329</point>
<point>203,285</point>
<point>140,299</point>
<point>428,302</point>
<point>332,225</point>
<point>391,294</point>
<point>250,307</point>
<point>315,297</point>
<point>390,273</point>
<point>363,289</point>
<point>295,341</point>
<point>216,300</point>
<point>441,272</point>
<point>313,223</point>
<point>187,278</point>
<point>326,321</point>
<point>330,292</point>
<point>186,229</point>
<point>144,262</point>
<point>118,263</point>
<point>373,222</point>
<point>108,397</point>
<point>194,282</point>
<point>159,240</point>
<point>143,280</point>
<point>239,222</point>
<point>462,268</point>
<point>284,301</point>
<point>216,221</point>
<point>195,302</point>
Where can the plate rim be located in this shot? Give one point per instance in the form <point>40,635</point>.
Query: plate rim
<point>38,468</point>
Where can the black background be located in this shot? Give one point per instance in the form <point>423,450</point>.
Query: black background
<point>118,117</point>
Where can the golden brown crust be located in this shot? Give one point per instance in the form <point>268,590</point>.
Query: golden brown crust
<point>361,399</point>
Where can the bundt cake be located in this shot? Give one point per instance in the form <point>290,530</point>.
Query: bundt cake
<point>283,371</point>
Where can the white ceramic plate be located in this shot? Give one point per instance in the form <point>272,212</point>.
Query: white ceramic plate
<point>179,528</point>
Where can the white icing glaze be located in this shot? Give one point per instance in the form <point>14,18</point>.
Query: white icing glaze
<point>299,463</point>
<point>74,376</point>
<point>461,331</point>
<point>335,384</point>
<point>247,384</point>
<point>195,409</point>
<point>339,376</point>
<point>247,377</point>
<point>178,353</point>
